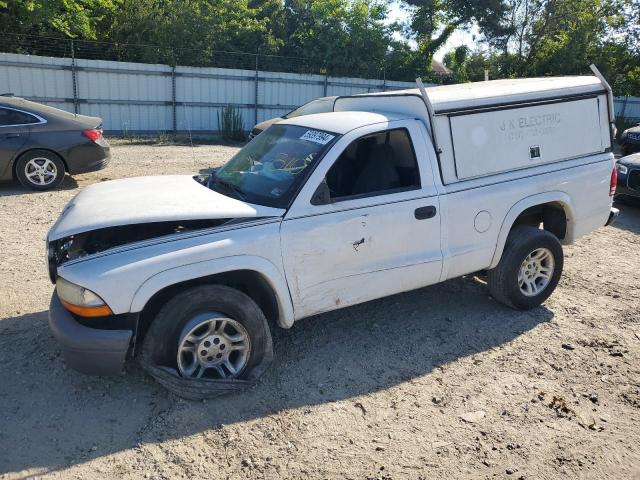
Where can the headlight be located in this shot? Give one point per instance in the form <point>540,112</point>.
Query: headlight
<point>621,169</point>
<point>80,300</point>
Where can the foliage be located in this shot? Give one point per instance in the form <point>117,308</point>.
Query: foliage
<point>344,37</point>
<point>341,35</point>
<point>560,37</point>
<point>195,27</point>
<point>72,18</point>
<point>434,21</point>
<point>230,123</point>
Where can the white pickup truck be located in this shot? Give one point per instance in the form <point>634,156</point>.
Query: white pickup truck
<point>389,192</point>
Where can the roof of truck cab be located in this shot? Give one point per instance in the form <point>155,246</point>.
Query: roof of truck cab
<point>342,122</point>
<point>479,94</point>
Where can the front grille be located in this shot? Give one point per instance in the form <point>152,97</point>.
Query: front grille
<point>633,180</point>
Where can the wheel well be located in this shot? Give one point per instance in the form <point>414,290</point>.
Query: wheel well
<point>249,282</point>
<point>552,216</point>
<point>15,162</point>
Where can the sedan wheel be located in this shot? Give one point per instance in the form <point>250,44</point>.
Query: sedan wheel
<point>40,170</point>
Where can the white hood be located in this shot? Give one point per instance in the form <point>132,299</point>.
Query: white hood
<point>149,199</point>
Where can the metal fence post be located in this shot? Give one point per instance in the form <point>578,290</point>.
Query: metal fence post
<point>326,81</point>
<point>624,108</point>
<point>74,79</point>
<point>255,95</point>
<point>173,98</point>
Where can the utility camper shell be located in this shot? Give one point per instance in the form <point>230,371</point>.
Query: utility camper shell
<point>486,128</point>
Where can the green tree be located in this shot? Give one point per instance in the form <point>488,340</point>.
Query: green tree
<point>434,21</point>
<point>562,37</point>
<point>189,31</point>
<point>343,36</point>
<point>72,18</point>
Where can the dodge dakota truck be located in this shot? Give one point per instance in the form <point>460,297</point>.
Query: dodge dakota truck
<point>386,193</point>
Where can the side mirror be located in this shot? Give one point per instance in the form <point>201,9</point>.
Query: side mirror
<point>322,195</point>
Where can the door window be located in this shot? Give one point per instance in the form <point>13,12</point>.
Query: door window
<point>376,164</point>
<point>10,117</point>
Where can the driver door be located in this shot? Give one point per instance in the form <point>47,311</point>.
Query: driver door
<point>378,234</point>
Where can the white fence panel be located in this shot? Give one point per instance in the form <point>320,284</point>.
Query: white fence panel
<point>128,96</point>
<point>138,97</point>
<point>35,77</point>
<point>627,107</point>
<point>279,93</point>
<point>156,98</point>
<point>201,92</point>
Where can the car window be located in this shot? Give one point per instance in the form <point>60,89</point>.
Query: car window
<point>10,117</point>
<point>321,105</point>
<point>376,164</point>
<point>268,169</point>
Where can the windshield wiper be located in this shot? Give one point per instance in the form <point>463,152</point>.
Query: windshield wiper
<point>230,187</point>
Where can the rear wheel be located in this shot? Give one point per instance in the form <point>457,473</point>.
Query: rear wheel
<point>40,170</point>
<point>529,270</point>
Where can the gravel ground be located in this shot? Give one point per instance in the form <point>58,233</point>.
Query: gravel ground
<point>439,381</point>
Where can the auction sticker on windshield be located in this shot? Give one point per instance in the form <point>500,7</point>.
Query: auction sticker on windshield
<point>317,137</point>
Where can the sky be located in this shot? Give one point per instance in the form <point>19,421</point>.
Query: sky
<point>396,13</point>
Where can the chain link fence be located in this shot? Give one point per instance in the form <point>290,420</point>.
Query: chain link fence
<point>143,88</point>
<point>154,54</point>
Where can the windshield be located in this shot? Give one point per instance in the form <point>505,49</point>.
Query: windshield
<point>268,169</point>
<point>321,105</point>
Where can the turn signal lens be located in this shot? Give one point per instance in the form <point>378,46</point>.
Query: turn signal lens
<point>80,300</point>
<point>102,311</point>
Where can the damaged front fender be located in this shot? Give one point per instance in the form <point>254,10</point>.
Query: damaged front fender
<point>260,265</point>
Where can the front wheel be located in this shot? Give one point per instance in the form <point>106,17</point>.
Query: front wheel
<point>207,334</point>
<point>529,270</point>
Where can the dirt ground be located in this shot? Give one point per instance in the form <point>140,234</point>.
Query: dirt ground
<point>439,381</point>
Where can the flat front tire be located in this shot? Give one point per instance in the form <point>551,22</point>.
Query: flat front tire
<point>529,270</point>
<point>209,332</point>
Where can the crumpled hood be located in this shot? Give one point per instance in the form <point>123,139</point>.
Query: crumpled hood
<point>147,200</point>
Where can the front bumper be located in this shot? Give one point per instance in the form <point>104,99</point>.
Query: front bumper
<point>88,350</point>
<point>623,191</point>
<point>613,214</point>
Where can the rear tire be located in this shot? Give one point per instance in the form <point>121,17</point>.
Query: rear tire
<point>40,170</point>
<point>529,270</point>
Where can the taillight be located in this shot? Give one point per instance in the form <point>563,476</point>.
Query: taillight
<point>614,182</point>
<point>94,134</point>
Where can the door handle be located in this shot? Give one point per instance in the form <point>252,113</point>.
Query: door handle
<point>9,135</point>
<point>423,213</point>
